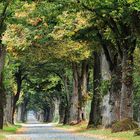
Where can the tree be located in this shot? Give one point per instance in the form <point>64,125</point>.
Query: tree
<point>2,57</point>
<point>118,33</point>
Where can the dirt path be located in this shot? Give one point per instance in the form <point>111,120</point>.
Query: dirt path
<point>34,130</point>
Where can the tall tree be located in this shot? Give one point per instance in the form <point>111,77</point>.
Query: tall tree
<point>2,57</point>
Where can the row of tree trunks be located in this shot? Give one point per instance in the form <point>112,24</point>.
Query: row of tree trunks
<point>46,115</point>
<point>49,114</point>
<point>120,94</point>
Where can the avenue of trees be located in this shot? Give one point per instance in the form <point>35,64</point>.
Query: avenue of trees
<point>66,54</point>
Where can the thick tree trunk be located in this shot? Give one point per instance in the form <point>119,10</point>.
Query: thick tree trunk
<point>61,112</point>
<point>18,113</point>
<point>83,84</point>
<point>2,103</point>
<point>106,107</point>
<point>115,94</point>
<point>2,58</point>
<point>40,115</point>
<point>126,109</point>
<point>19,79</point>
<point>74,98</point>
<point>2,92</point>
<point>50,115</point>
<point>8,109</point>
<point>111,71</point>
<point>95,113</point>
<point>22,111</point>
<point>67,104</point>
<point>16,98</point>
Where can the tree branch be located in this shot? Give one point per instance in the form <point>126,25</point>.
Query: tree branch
<point>3,14</point>
<point>107,55</point>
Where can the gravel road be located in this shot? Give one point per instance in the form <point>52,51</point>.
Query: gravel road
<point>34,130</point>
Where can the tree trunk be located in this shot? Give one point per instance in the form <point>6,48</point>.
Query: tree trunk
<point>16,98</point>
<point>2,103</point>
<point>62,112</point>
<point>2,92</point>
<point>95,113</point>
<point>74,98</point>
<point>19,78</point>
<point>50,114</point>
<point>115,94</point>
<point>83,89</point>
<point>111,72</point>
<point>22,110</point>
<point>67,104</point>
<point>8,109</point>
<point>126,109</point>
<point>2,58</point>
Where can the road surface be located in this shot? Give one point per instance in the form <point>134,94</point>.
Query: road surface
<point>33,130</point>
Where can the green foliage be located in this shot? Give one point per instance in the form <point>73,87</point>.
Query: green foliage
<point>137,132</point>
<point>104,87</point>
<point>16,38</point>
<point>66,47</point>
<point>11,128</point>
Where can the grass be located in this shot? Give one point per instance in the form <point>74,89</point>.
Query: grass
<point>101,133</point>
<point>9,129</point>
<point>2,137</point>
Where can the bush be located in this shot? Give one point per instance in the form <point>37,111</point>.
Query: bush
<point>137,132</point>
<point>124,125</point>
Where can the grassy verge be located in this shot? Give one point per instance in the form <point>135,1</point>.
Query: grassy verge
<point>2,137</point>
<point>10,129</point>
<point>100,133</point>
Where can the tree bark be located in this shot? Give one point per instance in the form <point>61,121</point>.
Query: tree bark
<point>49,114</point>
<point>2,102</point>
<point>113,59</point>
<point>83,82</point>
<point>19,79</point>
<point>8,109</point>
<point>126,109</point>
<point>115,94</point>
<point>95,113</point>
<point>61,112</point>
<point>2,91</point>
<point>74,98</point>
<point>67,104</point>
<point>2,57</point>
<point>22,110</point>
